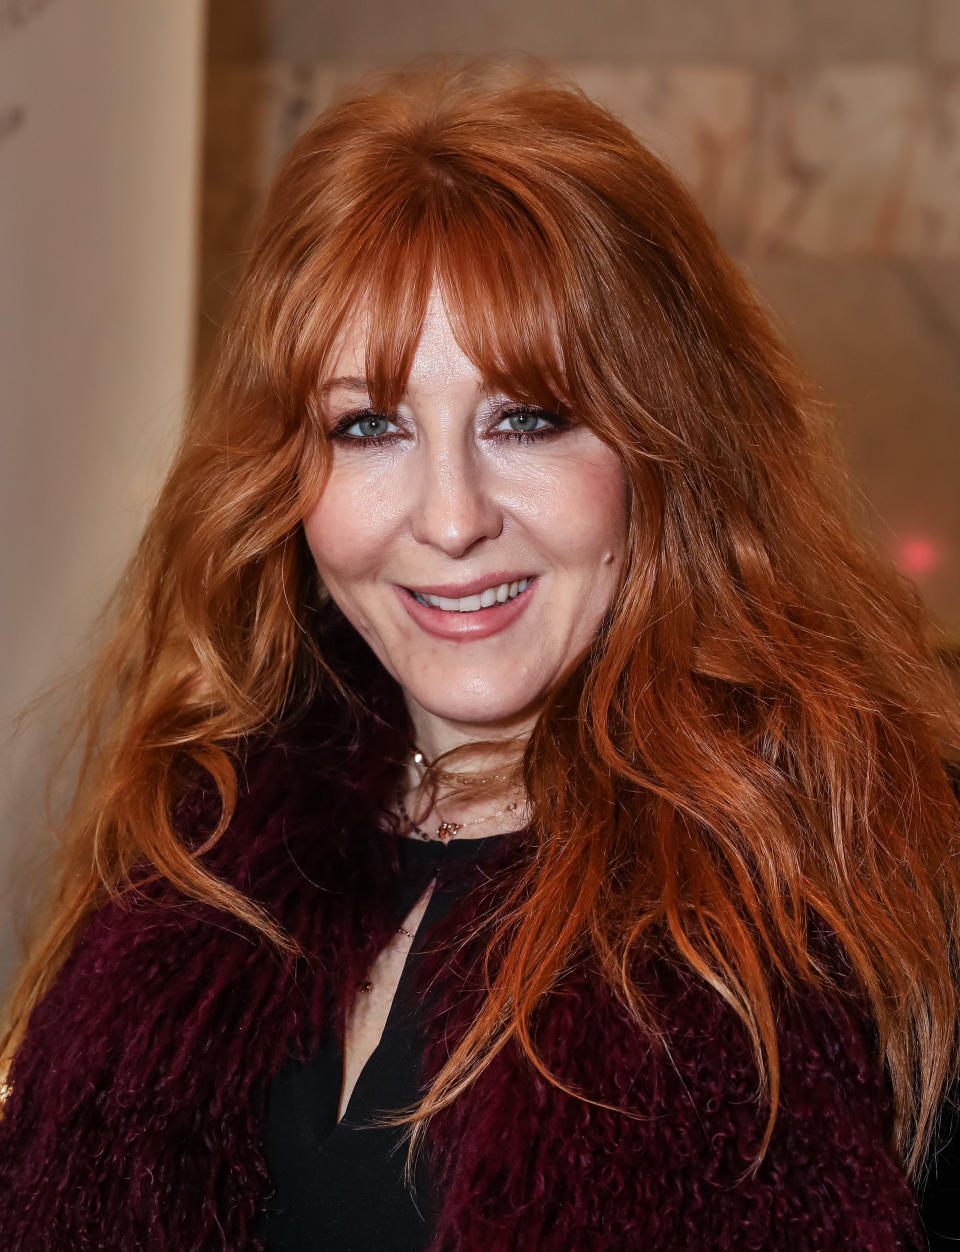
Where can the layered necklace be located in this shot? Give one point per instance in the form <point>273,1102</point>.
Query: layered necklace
<point>448,830</point>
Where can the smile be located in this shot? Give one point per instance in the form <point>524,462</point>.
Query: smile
<point>485,599</point>
<point>465,619</point>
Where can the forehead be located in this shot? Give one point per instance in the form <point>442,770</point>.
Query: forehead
<point>438,364</point>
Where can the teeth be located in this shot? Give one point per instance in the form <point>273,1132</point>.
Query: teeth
<point>470,604</point>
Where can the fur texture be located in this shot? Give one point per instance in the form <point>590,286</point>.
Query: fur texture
<point>138,1094</point>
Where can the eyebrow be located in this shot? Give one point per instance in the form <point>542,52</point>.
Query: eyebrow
<point>345,384</point>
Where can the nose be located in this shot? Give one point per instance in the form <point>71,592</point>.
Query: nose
<point>453,500</point>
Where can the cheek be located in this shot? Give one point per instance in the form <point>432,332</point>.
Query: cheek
<point>346,530</point>
<point>326,539</point>
<point>605,501</point>
<point>581,509</point>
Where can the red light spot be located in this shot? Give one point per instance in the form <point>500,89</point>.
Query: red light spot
<point>918,556</point>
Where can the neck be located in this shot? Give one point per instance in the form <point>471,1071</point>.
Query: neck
<point>435,735</point>
<point>477,809</point>
<point>491,805</point>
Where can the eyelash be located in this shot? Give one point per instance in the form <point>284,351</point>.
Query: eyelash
<point>557,424</point>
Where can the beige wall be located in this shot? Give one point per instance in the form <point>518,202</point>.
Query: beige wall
<point>99,144</point>
<point>822,138</point>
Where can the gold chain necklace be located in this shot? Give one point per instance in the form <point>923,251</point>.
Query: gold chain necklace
<point>365,985</point>
<point>450,776</point>
<point>447,830</point>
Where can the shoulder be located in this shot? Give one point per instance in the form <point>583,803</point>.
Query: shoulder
<point>153,944</point>
<point>667,1127</point>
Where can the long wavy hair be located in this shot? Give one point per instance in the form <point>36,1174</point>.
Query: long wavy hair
<point>757,736</point>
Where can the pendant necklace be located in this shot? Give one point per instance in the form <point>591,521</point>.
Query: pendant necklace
<point>444,832</point>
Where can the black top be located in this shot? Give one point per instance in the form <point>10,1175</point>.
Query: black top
<point>940,1197</point>
<point>340,1187</point>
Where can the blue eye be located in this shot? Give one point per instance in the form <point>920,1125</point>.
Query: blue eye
<point>369,426</point>
<point>520,423</point>
<point>524,423</point>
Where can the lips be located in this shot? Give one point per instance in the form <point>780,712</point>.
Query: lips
<point>457,591</point>
<point>471,625</point>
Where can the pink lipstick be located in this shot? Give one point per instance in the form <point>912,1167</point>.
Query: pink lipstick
<point>446,623</point>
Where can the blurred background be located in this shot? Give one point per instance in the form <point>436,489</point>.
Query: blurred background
<point>821,138</point>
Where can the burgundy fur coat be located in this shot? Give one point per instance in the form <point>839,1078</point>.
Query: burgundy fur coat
<point>137,1105</point>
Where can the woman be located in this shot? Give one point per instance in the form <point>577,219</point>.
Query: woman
<point>506,744</point>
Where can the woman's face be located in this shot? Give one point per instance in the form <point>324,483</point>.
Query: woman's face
<point>474,544</point>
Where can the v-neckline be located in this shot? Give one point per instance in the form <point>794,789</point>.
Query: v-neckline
<point>417,855</point>
<point>392,1009</point>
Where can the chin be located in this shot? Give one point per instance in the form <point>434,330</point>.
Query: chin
<point>477,708</point>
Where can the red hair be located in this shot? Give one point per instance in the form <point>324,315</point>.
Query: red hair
<point>756,737</point>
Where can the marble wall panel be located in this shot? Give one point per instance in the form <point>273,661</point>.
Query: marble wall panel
<point>844,159</point>
<point>929,218</point>
<point>841,162</point>
<point>699,119</point>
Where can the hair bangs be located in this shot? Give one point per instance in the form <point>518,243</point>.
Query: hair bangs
<point>504,301</point>
<point>493,261</point>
